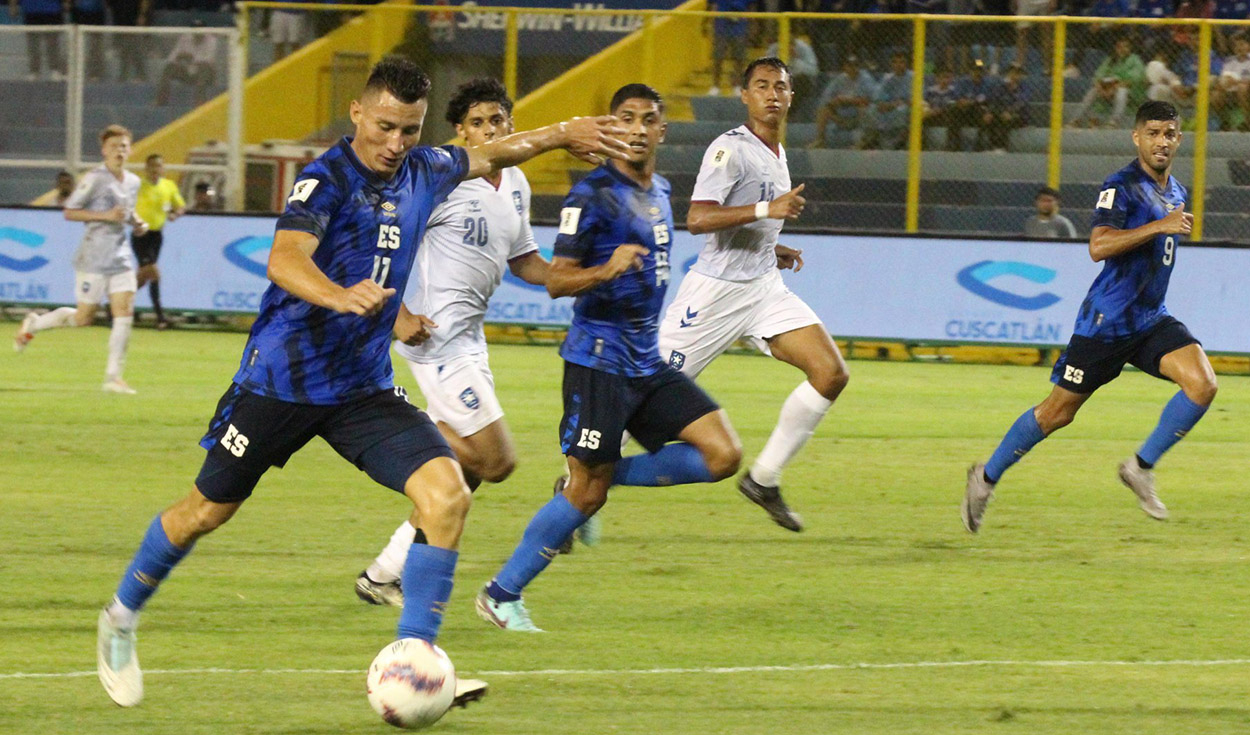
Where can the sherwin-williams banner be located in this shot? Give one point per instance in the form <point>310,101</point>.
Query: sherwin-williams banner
<point>918,289</point>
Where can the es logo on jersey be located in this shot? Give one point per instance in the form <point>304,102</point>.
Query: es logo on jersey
<point>27,239</point>
<point>976,278</point>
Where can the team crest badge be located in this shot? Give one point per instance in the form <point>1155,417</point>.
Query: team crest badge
<point>469,399</point>
<point>676,360</point>
<point>516,202</point>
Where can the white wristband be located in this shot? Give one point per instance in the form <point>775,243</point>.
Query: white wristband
<point>761,210</point>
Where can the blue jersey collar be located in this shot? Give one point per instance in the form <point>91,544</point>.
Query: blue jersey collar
<point>371,177</point>
<point>625,179</point>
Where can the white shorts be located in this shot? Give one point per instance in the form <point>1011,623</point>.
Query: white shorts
<point>287,26</point>
<point>91,288</point>
<point>709,315</point>
<point>459,392</point>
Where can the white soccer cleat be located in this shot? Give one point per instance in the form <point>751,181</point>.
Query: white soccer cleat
<point>116,662</point>
<point>506,615</point>
<point>25,333</point>
<point>119,386</point>
<point>1142,483</point>
<point>468,690</point>
<point>977,495</point>
<point>379,593</point>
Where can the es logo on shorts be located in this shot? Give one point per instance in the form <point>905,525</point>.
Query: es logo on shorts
<point>469,399</point>
<point>1073,375</point>
<point>589,439</point>
<point>235,442</point>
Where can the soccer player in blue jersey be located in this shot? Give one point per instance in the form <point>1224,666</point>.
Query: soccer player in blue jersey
<point>1138,224</point>
<point>317,361</point>
<point>612,252</point>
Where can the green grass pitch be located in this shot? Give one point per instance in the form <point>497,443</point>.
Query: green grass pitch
<point>1082,606</point>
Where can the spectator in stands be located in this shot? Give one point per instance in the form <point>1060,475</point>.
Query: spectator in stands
<point>973,98</point>
<point>193,62</point>
<point>891,109</point>
<point>845,100</point>
<point>91,13</point>
<point>132,48</point>
<point>1186,36</point>
<point>1103,36</point>
<point>940,109</point>
<point>1222,36</point>
<point>1153,38</point>
<point>1119,80</point>
<point>1235,85</point>
<point>1007,109</point>
<point>804,68</point>
<point>288,29</point>
<point>205,199</point>
<point>43,49</point>
<point>729,40</point>
<point>64,187</point>
<point>1048,224</point>
<point>1164,84</point>
<point>1044,30</point>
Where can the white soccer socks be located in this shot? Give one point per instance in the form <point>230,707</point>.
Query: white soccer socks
<point>800,415</point>
<point>389,565</point>
<point>119,340</point>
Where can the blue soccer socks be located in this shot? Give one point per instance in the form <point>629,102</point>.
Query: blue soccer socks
<point>152,563</point>
<point>1179,416</point>
<point>426,581</point>
<point>674,464</point>
<point>1023,435</point>
<point>549,528</point>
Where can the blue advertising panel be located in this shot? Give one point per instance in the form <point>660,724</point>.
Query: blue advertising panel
<point>911,289</point>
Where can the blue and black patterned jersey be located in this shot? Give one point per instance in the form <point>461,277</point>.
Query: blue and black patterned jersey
<point>368,227</point>
<point>1127,296</point>
<point>616,324</point>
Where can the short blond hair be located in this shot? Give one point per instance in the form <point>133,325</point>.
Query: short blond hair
<point>113,131</point>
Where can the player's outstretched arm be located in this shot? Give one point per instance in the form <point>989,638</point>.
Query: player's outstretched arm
<point>116,214</point>
<point>1108,242</point>
<point>591,139</point>
<point>567,277</point>
<point>531,268</point>
<point>292,269</point>
<point>707,216</point>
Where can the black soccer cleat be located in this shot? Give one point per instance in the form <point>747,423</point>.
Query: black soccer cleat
<point>769,498</point>
<point>379,593</point>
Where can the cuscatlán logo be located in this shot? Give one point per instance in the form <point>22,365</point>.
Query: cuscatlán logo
<point>26,239</point>
<point>242,253</point>
<point>976,278</point>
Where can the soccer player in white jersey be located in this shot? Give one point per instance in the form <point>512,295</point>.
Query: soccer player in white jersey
<point>105,201</point>
<point>741,199</point>
<point>480,230</point>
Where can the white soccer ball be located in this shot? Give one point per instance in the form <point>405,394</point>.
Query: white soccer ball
<point>411,683</point>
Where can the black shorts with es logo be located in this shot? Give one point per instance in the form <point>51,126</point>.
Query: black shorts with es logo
<point>1088,364</point>
<point>600,407</point>
<point>382,434</point>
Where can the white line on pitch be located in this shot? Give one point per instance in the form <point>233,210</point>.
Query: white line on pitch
<point>682,671</point>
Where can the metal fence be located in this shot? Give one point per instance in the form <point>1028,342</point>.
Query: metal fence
<point>77,79</point>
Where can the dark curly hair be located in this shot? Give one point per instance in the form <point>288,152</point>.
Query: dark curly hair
<point>636,91</point>
<point>400,77</point>
<point>473,92</point>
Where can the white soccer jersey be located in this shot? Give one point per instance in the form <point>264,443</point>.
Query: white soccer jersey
<point>740,169</point>
<point>470,239</point>
<point>104,249</point>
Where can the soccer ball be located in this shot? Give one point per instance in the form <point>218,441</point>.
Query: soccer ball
<point>411,683</point>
